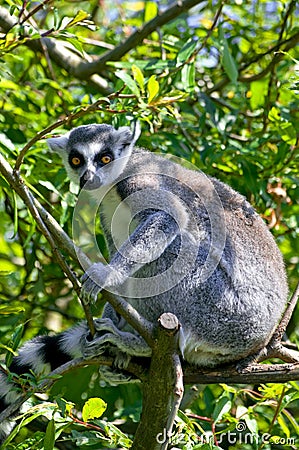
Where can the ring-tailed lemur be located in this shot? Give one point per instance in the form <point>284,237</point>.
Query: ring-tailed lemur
<point>179,242</point>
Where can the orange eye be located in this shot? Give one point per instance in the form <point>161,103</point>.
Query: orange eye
<point>106,159</point>
<point>76,161</point>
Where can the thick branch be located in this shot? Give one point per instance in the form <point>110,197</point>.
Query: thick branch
<point>276,373</point>
<point>279,373</point>
<point>86,69</point>
<point>59,51</point>
<point>162,390</point>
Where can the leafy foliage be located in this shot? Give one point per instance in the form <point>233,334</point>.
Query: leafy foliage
<point>217,85</point>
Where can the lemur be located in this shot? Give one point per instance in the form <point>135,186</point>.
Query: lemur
<point>180,242</point>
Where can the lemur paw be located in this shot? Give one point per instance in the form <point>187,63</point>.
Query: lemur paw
<point>99,276</point>
<point>106,330</point>
<point>105,324</point>
<point>114,376</point>
<point>121,360</point>
<point>93,281</point>
<point>95,347</point>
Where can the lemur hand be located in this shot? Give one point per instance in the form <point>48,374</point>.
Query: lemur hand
<point>99,276</point>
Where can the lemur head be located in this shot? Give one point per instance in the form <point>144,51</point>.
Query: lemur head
<point>95,155</point>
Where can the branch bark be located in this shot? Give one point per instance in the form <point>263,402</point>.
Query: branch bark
<point>162,390</point>
<point>279,373</point>
<point>59,51</point>
<point>86,70</point>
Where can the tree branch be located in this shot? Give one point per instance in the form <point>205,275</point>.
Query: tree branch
<point>279,373</point>
<point>86,69</point>
<point>18,184</point>
<point>59,51</point>
<point>59,238</point>
<point>162,390</point>
<point>287,45</point>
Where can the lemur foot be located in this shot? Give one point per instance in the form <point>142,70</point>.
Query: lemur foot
<point>115,377</point>
<point>105,341</point>
<point>105,324</point>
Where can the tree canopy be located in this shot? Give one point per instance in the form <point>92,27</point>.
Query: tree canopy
<point>213,82</point>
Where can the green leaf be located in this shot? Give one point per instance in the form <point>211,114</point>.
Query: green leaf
<point>79,17</point>
<point>284,426</point>
<point>250,174</point>
<point>93,408</point>
<point>222,407</point>
<point>151,10</point>
<point>129,82</point>
<point>258,91</point>
<point>227,59</point>
<point>49,439</point>
<point>186,51</point>
<point>287,133</point>
<point>152,88</point>
<point>74,41</point>
<point>188,77</point>
<point>8,310</point>
<point>138,76</point>
<point>286,129</point>
<point>274,114</point>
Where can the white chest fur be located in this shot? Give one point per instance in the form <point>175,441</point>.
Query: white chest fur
<point>117,218</point>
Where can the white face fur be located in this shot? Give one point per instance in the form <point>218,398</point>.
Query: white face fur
<point>94,155</point>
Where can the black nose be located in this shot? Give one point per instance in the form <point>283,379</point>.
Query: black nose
<point>86,177</point>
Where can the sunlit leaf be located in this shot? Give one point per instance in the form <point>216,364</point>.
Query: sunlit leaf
<point>138,76</point>
<point>258,91</point>
<point>79,17</point>
<point>188,77</point>
<point>93,408</point>
<point>223,406</point>
<point>151,10</point>
<point>186,51</point>
<point>152,88</point>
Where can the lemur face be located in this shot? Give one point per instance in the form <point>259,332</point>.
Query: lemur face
<point>94,155</point>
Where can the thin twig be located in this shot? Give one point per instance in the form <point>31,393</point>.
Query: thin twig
<point>34,11</point>
<point>280,330</point>
<point>144,327</point>
<point>50,379</point>
<point>211,29</point>
<point>18,184</point>
<point>86,69</point>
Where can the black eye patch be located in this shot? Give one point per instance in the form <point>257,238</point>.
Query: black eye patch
<point>76,160</point>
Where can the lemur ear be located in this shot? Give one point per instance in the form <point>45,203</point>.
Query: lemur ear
<point>58,144</point>
<point>136,131</point>
<point>125,136</point>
